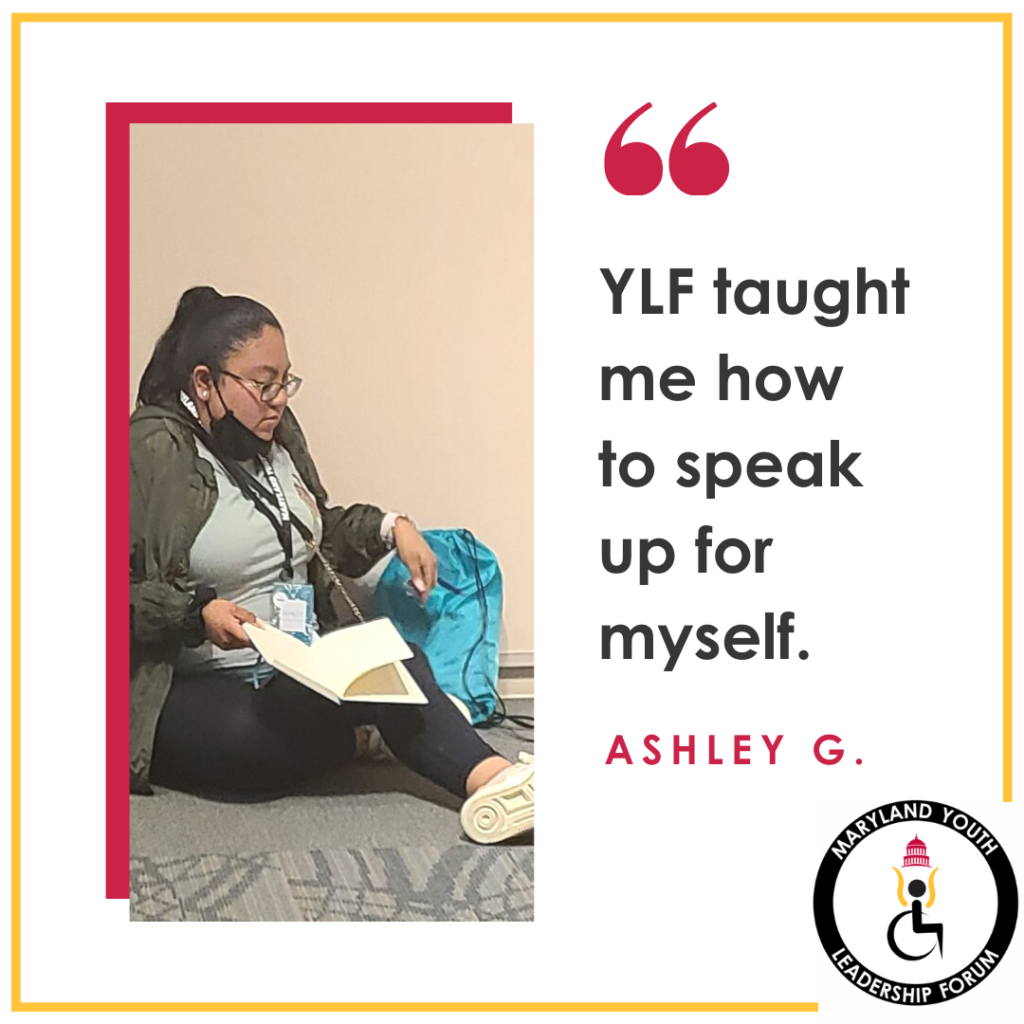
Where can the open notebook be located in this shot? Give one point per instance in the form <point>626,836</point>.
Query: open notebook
<point>357,663</point>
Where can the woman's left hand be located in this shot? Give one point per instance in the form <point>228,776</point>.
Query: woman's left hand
<point>416,556</point>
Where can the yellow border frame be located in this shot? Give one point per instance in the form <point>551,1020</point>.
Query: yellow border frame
<point>16,22</point>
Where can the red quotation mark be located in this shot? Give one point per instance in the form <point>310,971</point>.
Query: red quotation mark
<point>635,169</point>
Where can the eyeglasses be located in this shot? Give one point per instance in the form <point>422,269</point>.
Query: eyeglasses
<point>268,392</point>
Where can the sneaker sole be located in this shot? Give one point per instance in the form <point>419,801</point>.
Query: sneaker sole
<point>496,816</point>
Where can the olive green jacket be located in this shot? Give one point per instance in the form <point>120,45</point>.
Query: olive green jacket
<point>173,491</point>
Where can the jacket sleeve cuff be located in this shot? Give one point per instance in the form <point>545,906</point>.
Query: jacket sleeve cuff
<point>194,632</point>
<point>157,612</point>
<point>387,527</point>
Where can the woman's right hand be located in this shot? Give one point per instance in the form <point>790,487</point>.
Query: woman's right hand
<point>223,621</point>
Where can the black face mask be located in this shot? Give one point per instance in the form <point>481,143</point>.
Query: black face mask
<point>235,440</point>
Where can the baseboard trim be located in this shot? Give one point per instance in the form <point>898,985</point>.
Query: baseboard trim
<point>515,688</point>
<point>515,659</point>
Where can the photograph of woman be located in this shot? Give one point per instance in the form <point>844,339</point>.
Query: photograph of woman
<point>226,502</point>
<point>390,265</point>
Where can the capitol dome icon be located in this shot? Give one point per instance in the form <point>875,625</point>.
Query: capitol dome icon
<point>917,854</point>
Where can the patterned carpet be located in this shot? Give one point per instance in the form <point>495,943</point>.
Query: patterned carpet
<point>466,883</point>
<point>369,842</point>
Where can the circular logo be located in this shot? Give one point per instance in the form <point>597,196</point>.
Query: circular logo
<point>919,891</point>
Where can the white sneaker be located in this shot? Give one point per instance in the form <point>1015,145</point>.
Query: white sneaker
<point>503,807</point>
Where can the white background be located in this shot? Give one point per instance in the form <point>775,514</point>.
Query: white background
<point>850,145</point>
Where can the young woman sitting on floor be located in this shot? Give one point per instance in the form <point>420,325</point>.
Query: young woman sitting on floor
<point>225,503</point>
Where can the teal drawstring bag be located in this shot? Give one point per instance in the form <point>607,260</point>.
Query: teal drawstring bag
<point>459,626</point>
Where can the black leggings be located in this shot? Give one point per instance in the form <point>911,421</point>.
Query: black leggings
<point>216,732</point>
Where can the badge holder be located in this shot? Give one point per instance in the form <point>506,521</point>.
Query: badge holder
<point>293,610</point>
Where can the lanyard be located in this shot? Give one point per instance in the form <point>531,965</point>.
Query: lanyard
<point>264,500</point>
<point>257,493</point>
<point>282,504</point>
<point>304,533</point>
<point>282,528</point>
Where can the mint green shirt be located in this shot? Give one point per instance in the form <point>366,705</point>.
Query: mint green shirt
<point>237,552</point>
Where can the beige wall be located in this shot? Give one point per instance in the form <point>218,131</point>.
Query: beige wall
<point>399,259</point>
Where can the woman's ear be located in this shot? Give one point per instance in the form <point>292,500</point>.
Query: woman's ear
<point>202,383</point>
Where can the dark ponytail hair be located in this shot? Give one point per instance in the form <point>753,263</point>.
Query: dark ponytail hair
<point>206,328</point>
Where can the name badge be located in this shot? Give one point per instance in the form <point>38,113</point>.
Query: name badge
<point>293,610</point>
